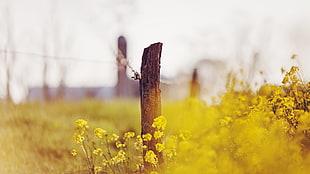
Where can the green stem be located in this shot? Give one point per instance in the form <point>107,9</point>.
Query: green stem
<point>87,157</point>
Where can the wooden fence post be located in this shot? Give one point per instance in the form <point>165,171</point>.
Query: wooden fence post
<point>194,86</point>
<point>150,96</point>
<point>121,88</point>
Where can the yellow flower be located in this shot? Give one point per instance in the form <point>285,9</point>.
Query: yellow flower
<point>154,172</point>
<point>169,153</point>
<point>120,157</point>
<point>160,122</point>
<point>139,138</point>
<point>151,157</point>
<point>78,138</point>
<point>73,152</point>
<point>185,134</point>
<point>98,152</point>
<point>119,144</point>
<point>112,138</point>
<point>139,142</point>
<point>80,123</point>
<point>100,133</point>
<point>285,79</point>
<point>98,169</point>
<point>111,161</point>
<point>104,162</point>
<point>147,137</point>
<point>293,70</point>
<point>227,120</point>
<point>80,126</point>
<point>158,134</point>
<point>128,135</point>
<point>115,137</point>
<point>159,147</point>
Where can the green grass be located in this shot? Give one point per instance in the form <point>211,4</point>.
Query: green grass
<point>37,137</point>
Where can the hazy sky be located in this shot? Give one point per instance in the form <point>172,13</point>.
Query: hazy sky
<point>191,30</point>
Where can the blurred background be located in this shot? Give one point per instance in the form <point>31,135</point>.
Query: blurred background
<point>51,49</point>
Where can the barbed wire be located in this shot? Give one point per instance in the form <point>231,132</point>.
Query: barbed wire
<point>123,61</point>
<point>61,58</point>
<point>120,59</point>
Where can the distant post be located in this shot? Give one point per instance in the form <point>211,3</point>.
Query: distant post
<point>150,96</point>
<point>121,90</point>
<point>194,86</point>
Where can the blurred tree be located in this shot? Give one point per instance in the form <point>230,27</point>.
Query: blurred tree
<point>45,91</point>
<point>8,57</point>
<point>59,43</point>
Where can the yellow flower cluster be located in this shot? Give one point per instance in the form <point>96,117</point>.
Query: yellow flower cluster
<point>119,144</point>
<point>100,133</point>
<point>244,131</point>
<point>159,147</point>
<point>80,128</point>
<point>160,123</point>
<point>78,138</point>
<point>139,143</point>
<point>128,135</point>
<point>225,121</point>
<point>151,157</point>
<point>185,134</point>
<point>114,137</point>
<point>158,134</point>
<point>119,158</point>
<point>81,124</point>
<point>98,151</point>
<point>73,152</point>
<point>154,172</point>
<point>147,137</point>
<point>169,147</point>
<point>291,100</point>
<point>97,169</point>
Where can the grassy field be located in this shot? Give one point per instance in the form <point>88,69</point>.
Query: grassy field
<point>259,132</point>
<point>37,138</point>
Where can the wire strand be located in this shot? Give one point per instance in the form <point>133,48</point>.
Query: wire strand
<point>120,58</point>
<point>60,58</point>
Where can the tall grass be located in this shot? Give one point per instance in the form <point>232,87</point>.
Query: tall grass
<point>260,132</point>
<point>37,137</point>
